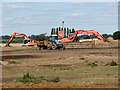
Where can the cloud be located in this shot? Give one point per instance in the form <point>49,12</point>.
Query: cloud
<point>113,4</point>
<point>111,12</point>
<point>76,14</point>
<point>16,20</point>
<point>9,19</point>
<point>13,7</point>
<point>82,3</point>
<point>49,9</point>
<point>110,15</point>
<point>1,25</point>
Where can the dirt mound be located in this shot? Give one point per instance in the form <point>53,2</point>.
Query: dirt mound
<point>110,39</point>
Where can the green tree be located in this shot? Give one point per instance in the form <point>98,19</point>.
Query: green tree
<point>64,32</point>
<point>73,30</point>
<point>32,37</point>
<point>87,37</point>
<point>67,32</point>
<point>52,31</point>
<point>110,35</point>
<point>70,31</point>
<point>41,37</point>
<point>116,35</point>
<point>62,29</point>
<point>105,35</point>
<point>57,31</point>
<point>92,36</point>
<point>59,28</point>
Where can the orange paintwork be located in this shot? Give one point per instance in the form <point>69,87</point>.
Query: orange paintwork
<point>32,43</point>
<point>60,36</point>
<point>85,32</point>
<point>20,35</point>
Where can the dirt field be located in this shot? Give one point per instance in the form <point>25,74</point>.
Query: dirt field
<point>75,73</point>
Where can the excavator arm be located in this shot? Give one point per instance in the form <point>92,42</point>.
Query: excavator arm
<point>85,32</point>
<point>92,32</point>
<point>99,36</point>
<point>16,35</point>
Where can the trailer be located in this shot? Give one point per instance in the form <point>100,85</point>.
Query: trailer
<point>52,44</point>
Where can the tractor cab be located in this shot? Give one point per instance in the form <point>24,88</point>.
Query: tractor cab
<point>53,37</point>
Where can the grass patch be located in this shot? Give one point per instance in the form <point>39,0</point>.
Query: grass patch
<point>93,64</point>
<point>62,68</point>
<point>60,58</point>
<point>113,63</point>
<point>108,74</point>
<point>82,58</point>
<point>86,61</point>
<point>65,68</point>
<point>27,78</point>
<point>54,68</point>
<point>13,62</point>
<point>56,79</point>
<point>101,62</point>
<point>96,61</point>
<point>1,59</point>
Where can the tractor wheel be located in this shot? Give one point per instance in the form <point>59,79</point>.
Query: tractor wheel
<point>49,46</point>
<point>63,48</point>
<point>23,45</point>
<point>41,48</point>
<point>54,46</point>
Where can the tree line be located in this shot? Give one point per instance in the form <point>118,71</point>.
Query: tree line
<point>5,38</point>
<point>67,31</point>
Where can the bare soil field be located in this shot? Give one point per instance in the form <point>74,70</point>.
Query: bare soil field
<point>73,67</point>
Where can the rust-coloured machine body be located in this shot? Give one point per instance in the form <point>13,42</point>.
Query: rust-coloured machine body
<point>85,32</point>
<point>27,41</point>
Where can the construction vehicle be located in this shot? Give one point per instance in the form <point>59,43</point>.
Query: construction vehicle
<point>53,43</point>
<point>72,38</point>
<point>26,41</point>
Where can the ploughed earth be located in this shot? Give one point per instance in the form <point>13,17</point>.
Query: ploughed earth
<point>75,68</point>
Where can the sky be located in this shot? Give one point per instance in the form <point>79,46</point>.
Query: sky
<point>39,17</point>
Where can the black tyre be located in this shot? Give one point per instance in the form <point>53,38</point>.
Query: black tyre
<point>41,48</point>
<point>49,46</point>
<point>63,47</point>
<point>23,45</point>
<point>54,46</point>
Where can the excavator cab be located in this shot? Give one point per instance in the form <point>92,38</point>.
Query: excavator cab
<point>26,41</point>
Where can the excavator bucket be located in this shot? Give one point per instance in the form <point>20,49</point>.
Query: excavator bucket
<point>7,45</point>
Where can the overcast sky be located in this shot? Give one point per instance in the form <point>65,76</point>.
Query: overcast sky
<point>39,17</point>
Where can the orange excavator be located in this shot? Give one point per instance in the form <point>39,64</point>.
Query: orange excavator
<point>85,32</point>
<point>27,41</point>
